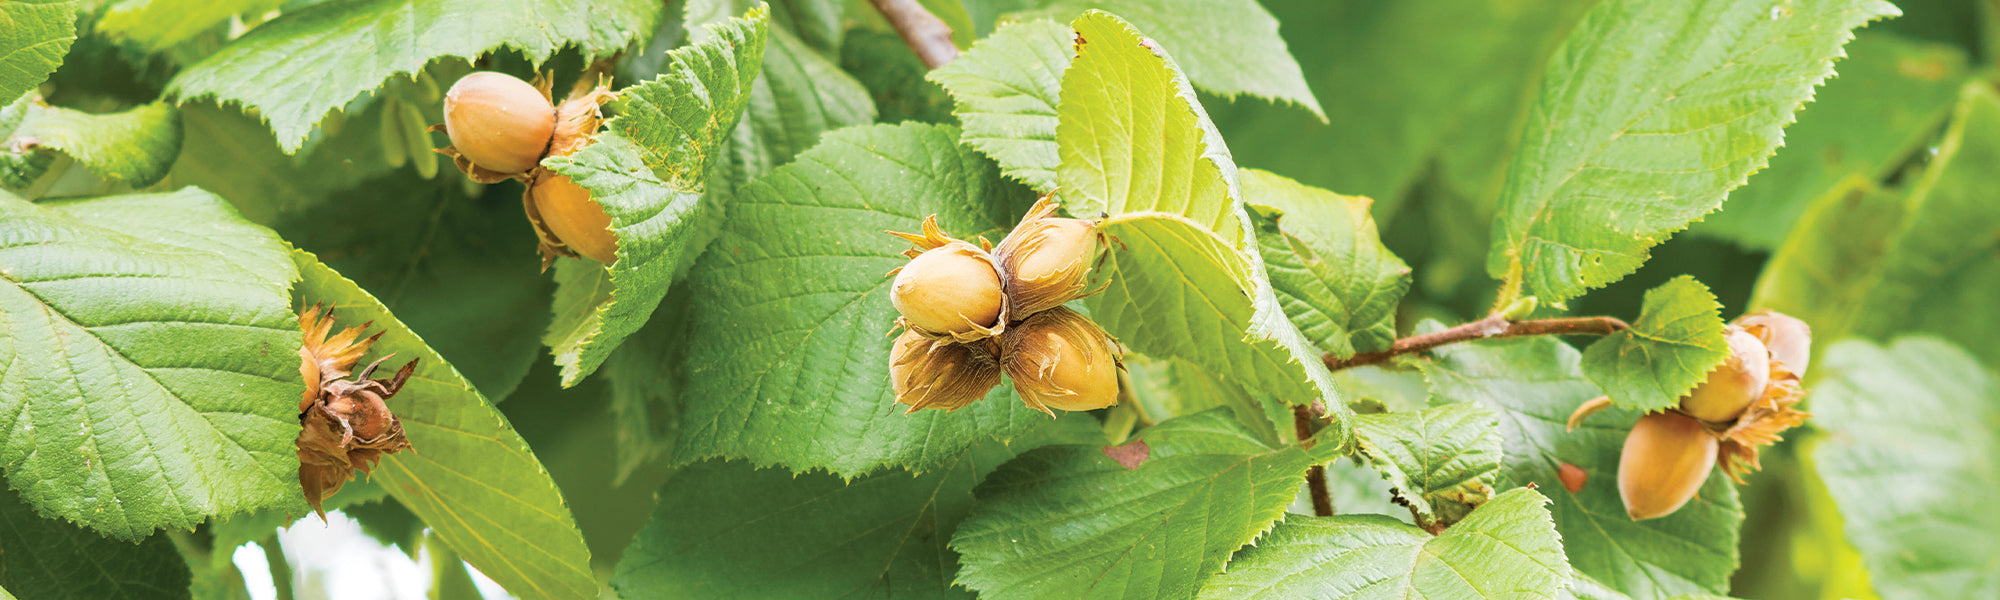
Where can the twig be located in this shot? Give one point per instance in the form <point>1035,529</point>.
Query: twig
<point>1492,327</point>
<point>1315,475</point>
<point>925,34</point>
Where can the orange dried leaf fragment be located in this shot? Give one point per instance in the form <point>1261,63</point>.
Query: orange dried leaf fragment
<point>345,423</point>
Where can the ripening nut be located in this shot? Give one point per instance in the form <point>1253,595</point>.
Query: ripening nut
<point>1733,385</point>
<point>932,373</point>
<point>1046,260</point>
<point>1789,339</point>
<point>498,122</point>
<point>1666,458</point>
<point>951,290</point>
<point>1061,359</point>
<point>570,214</point>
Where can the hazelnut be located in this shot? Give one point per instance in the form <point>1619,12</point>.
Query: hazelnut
<point>1789,339</point>
<point>1047,259</point>
<point>951,290</point>
<point>933,373</point>
<point>1061,359</point>
<point>570,215</point>
<point>1734,384</point>
<point>1666,458</point>
<point>498,122</point>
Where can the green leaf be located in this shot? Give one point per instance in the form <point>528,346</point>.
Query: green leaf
<point>1442,461</point>
<point>306,63</point>
<point>880,535</point>
<point>1186,279</point>
<point>1649,114</point>
<point>793,306</point>
<point>34,36</point>
<point>1910,459</point>
<point>147,361</point>
<point>1007,87</point>
<point>136,146</point>
<point>1924,254</point>
<point>47,558</point>
<point>235,157</point>
<point>1677,340</point>
<point>1327,263</point>
<point>648,172</point>
<point>1228,47</point>
<point>1505,549</point>
<point>1902,88</point>
<point>1534,384</point>
<point>157,25</point>
<point>1070,522</point>
<point>467,473</point>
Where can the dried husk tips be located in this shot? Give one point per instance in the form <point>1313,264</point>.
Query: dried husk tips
<point>1061,359</point>
<point>933,373</point>
<point>345,423</point>
<point>1046,261</point>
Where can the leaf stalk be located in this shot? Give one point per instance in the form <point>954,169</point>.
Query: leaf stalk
<point>1495,326</point>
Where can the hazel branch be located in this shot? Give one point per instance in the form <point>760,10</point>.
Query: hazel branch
<point>1495,326</point>
<point>925,34</point>
<point>1322,499</point>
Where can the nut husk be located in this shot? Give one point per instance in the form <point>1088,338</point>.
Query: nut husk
<point>1061,359</point>
<point>1734,384</point>
<point>344,424</point>
<point>1789,339</point>
<point>568,221</point>
<point>926,372</point>
<point>1046,261</point>
<point>1666,458</point>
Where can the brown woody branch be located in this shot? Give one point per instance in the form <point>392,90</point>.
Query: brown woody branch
<point>925,34</point>
<point>1322,499</point>
<point>1492,327</point>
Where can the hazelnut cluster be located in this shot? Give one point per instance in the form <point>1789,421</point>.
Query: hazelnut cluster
<point>971,312</point>
<point>1743,404</point>
<point>345,424</point>
<point>501,128</point>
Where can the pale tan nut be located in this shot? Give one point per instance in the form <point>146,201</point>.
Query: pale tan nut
<point>932,373</point>
<point>950,291</point>
<point>1062,360</point>
<point>498,123</point>
<point>1666,458</point>
<point>1046,261</point>
<point>569,214</point>
<point>1734,384</point>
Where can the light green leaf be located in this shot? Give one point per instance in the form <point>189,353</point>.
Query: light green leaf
<point>1671,348</point>
<point>467,473</point>
<point>1910,459</point>
<point>148,361</point>
<point>34,36</point>
<point>879,535</point>
<point>1186,279</point>
<point>1924,254</point>
<point>1505,549</point>
<point>1649,114</point>
<point>1166,389</point>
<point>1534,384</point>
<point>156,25</point>
<point>1228,47</point>
<point>136,146</point>
<point>1208,487</point>
<point>47,558</point>
<point>299,67</point>
<point>1442,461</point>
<point>1007,87</point>
<point>1327,263</point>
<point>648,172</point>
<point>793,306</point>
<point>1901,88</point>
<point>235,157</point>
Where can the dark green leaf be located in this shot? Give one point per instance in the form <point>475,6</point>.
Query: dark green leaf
<point>46,558</point>
<point>1534,384</point>
<point>1505,549</point>
<point>1649,114</point>
<point>1910,459</point>
<point>1442,461</point>
<point>1677,340</point>
<point>148,361</point>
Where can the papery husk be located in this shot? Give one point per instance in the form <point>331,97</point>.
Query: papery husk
<point>926,372</point>
<point>344,424</point>
<point>1035,366</point>
<point>1762,423</point>
<point>1041,232</point>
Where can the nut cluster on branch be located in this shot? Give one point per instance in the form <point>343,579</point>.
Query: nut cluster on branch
<point>346,423</point>
<point>971,312</point>
<point>1744,403</point>
<point>501,128</point>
